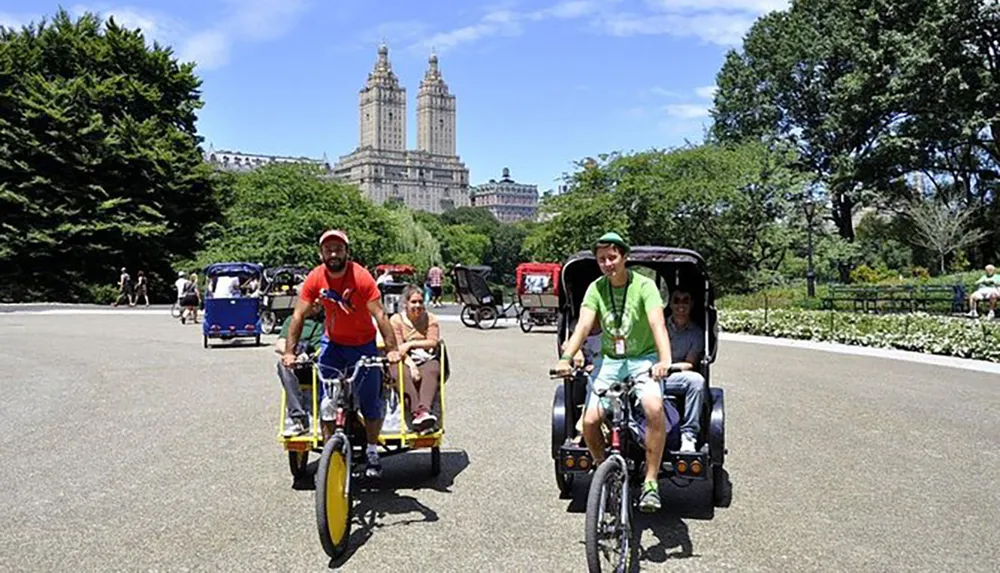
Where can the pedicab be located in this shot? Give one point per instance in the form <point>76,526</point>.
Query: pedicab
<point>538,294</point>
<point>336,432</point>
<point>481,306</point>
<point>392,290</point>
<point>278,295</point>
<point>616,483</point>
<point>232,316</point>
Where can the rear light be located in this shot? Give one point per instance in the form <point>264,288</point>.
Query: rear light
<point>682,466</point>
<point>249,327</point>
<point>696,467</point>
<point>583,463</point>
<point>215,328</point>
<point>569,462</point>
<point>232,329</point>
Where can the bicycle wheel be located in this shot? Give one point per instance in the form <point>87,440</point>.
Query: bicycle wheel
<point>333,496</point>
<point>525,320</point>
<point>175,309</point>
<point>468,316</point>
<point>609,543</point>
<point>486,317</point>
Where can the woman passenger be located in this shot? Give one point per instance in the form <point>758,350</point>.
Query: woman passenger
<point>418,332</point>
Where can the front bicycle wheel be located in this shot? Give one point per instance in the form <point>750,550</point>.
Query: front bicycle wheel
<point>333,495</point>
<point>609,542</point>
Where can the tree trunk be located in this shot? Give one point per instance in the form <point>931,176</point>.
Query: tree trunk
<point>942,265</point>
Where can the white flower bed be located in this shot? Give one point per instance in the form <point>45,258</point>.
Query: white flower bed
<point>919,332</point>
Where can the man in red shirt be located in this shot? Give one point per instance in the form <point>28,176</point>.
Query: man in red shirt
<point>351,298</point>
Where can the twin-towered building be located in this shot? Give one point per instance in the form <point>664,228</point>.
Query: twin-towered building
<point>431,177</point>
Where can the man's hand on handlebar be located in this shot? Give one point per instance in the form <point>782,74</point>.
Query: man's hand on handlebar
<point>393,356</point>
<point>663,369</point>
<point>289,359</point>
<point>563,368</point>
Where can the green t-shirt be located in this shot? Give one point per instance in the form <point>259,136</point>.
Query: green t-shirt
<point>989,281</point>
<point>640,295</point>
<point>312,331</point>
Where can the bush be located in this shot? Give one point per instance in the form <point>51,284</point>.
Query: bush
<point>867,275</point>
<point>916,332</point>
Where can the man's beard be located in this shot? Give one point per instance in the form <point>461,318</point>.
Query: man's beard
<point>335,265</point>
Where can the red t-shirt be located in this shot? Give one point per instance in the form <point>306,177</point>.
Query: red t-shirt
<point>348,323</point>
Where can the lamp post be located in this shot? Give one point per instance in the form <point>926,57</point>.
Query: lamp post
<point>810,209</point>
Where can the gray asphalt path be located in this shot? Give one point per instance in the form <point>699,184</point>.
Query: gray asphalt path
<point>126,446</point>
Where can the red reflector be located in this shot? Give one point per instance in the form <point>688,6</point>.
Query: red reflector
<point>232,329</point>
<point>249,327</point>
<point>215,327</point>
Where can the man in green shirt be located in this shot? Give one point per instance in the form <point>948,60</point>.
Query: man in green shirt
<point>297,422</point>
<point>989,289</point>
<point>634,339</point>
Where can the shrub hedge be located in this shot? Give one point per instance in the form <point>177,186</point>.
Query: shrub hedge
<point>919,332</point>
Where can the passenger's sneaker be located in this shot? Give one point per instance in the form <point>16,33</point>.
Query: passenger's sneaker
<point>649,501</point>
<point>424,421</point>
<point>294,427</point>
<point>989,316</point>
<point>688,443</point>
<point>973,314</point>
<point>373,469</point>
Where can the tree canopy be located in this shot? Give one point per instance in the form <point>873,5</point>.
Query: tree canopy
<point>99,159</point>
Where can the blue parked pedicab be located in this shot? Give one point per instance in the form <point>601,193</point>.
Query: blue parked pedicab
<point>230,314</point>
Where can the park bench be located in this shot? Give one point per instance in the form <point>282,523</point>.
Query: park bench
<point>899,298</point>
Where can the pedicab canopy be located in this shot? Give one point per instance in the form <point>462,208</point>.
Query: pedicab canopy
<point>538,278</point>
<point>397,269</point>
<point>673,268</point>
<point>233,269</point>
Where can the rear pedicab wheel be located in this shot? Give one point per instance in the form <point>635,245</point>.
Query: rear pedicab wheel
<point>298,462</point>
<point>333,496</point>
<point>486,317</point>
<point>204,341</point>
<point>564,481</point>
<point>609,542</point>
<point>468,316</point>
<point>722,488</point>
<point>524,319</point>
<point>268,322</point>
<point>435,461</point>
<point>256,340</point>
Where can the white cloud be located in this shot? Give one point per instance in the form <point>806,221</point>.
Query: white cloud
<point>10,21</point>
<point>707,92</point>
<point>210,48</point>
<point>686,110</point>
<point>721,22</point>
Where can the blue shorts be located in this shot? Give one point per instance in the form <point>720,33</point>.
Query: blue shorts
<point>368,384</point>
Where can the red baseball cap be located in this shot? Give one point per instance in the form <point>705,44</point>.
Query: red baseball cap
<point>334,234</point>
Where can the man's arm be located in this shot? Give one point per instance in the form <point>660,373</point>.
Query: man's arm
<point>583,327</point>
<point>295,327</point>
<point>654,313</point>
<point>388,336</point>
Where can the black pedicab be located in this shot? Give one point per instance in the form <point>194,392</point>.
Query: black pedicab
<point>229,314</point>
<point>538,294</point>
<point>615,485</point>
<point>279,292</point>
<point>481,306</point>
<point>392,290</point>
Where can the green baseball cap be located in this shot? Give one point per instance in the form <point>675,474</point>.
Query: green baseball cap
<point>613,238</point>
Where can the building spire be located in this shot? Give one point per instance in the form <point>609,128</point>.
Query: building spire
<point>433,82</point>
<point>382,74</point>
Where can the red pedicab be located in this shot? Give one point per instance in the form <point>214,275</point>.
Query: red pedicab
<point>538,294</point>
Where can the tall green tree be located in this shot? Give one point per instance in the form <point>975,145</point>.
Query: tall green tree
<point>278,212</point>
<point>99,159</point>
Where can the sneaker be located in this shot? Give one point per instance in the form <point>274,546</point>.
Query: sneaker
<point>688,443</point>
<point>373,469</point>
<point>989,315</point>
<point>424,421</point>
<point>973,314</point>
<point>294,427</point>
<point>649,501</point>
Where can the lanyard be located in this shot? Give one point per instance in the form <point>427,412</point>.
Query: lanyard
<point>611,296</point>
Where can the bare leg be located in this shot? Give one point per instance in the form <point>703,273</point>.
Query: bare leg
<point>656,434</point>
<point>592,420</point>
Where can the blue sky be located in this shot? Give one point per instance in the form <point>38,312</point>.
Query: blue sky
<point>539,83</point>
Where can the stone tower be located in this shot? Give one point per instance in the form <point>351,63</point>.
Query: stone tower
<point>383,108</point>
<point>435,113</point>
